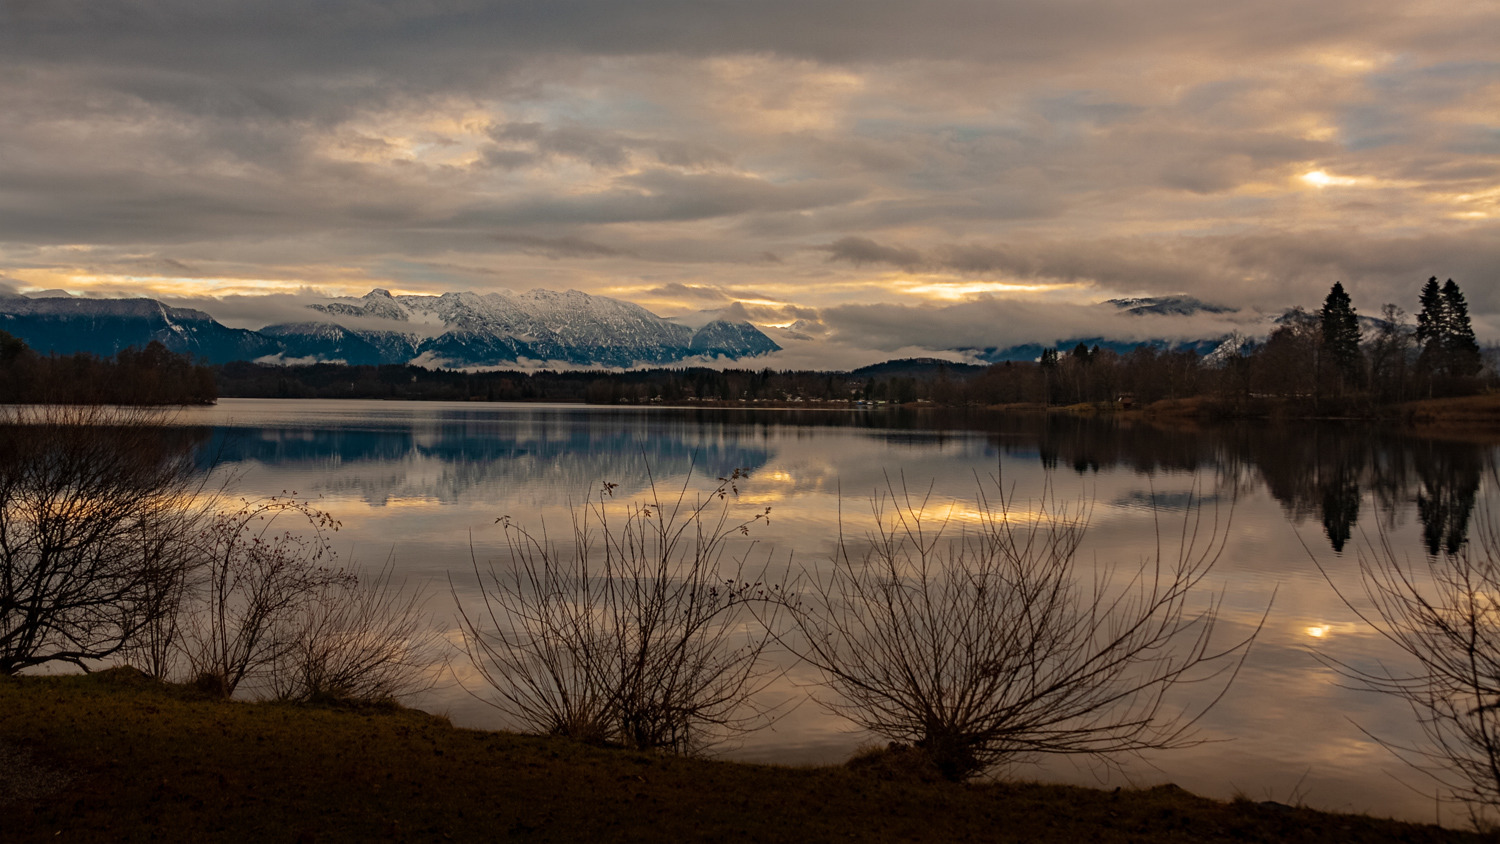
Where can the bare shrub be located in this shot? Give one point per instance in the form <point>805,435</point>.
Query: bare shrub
<point>97,505</point>
<point>253,581</point>
<point>153,646</point>
<point>634,632</point>
<point>366,639</point>
<point>1444,613</point>
<point>982,644</point>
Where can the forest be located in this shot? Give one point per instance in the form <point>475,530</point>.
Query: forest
<point>150,376</point>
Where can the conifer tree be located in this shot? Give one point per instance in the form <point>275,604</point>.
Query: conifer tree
<point>1341,335</point>
<point>1444,332</point>
<point>1430,322</point>
<point>1461,347</point>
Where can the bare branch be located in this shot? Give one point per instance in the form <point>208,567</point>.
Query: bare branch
<point>979,645</point>
<point>1444,613</point>
<point>252,584</point>
<point>633,632</point>
<point>97,505</point>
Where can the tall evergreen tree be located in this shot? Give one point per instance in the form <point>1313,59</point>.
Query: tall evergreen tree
<point>1341,336</point>
<point>1444,332</point>
<point>1431,318</point>
<point>1462,349</point>
<point>1431,322</point>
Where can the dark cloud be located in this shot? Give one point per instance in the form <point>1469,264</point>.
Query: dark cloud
<point>690,292</point>
<point>361,32</point>
<point>560,247</point>
<point>658,196</point>
<point>861,251</point>
<point>1268,267</point>
<point>602,148</point>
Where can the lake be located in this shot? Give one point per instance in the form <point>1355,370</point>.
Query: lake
<point>423,485</point>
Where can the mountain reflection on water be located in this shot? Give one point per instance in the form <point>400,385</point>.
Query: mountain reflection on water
<point>559,448</point>
<point>1296,505</point>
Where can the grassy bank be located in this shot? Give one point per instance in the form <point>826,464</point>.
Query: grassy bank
<point>125,758</point>
<point>1479,413</point>
<point>1460,413</point>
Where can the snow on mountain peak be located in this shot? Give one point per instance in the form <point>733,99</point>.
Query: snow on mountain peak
<point>469,329</point>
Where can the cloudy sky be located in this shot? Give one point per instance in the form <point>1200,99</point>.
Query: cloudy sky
<point>923,170</point>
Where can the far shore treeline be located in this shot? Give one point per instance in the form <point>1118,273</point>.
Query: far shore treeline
<point>150,376</point>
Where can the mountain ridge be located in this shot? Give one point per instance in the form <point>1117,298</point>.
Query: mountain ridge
<point>456,330</point>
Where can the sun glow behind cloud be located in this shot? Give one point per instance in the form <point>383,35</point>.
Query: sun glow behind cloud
<point>170,287</point>
<point>1323,179</point>
<point>958,290</point>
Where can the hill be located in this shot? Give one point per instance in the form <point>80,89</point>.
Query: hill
<point>918,368</point>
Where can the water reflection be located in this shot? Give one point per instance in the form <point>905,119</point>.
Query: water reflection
<point>1316,471</point>
<point>1449,481</point>
<point>424,483</point>
<point>1323,472</point>
<point>452,457</point>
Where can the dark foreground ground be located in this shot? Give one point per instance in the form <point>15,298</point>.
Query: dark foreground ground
<point>118,757</point>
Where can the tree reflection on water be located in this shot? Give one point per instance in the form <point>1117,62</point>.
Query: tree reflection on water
<point>1316,471</point>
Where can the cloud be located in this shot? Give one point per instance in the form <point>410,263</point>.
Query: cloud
<point>561,247</point>
<point>994,323</point>
<point>696,292</point>
<point>826,154</point>
<point>860,251</point>
<point>598,148</point>
<point>254,312</point>
<point>1242,269</point>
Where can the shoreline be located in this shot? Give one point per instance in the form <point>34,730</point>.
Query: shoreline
<point>142,759</point>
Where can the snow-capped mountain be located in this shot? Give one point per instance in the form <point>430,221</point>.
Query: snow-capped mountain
<point>1167,306</point>
<point>1201,339</point>
<point>64,325</point>
<point>316,341</point>
<point>540,326</point>
<point>722,338</point>
<point>454,330</point>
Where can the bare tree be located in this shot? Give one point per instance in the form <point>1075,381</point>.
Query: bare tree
<point>96,507</point>
<point>1390,351</point>
<point>981,645</point>
<point>1444,613</point>
<point>254,579</point>
<point>635,632</point>
<point>359,639</point>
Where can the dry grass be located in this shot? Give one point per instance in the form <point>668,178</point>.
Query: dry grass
<point>1479,413</point>
<point>147,761</point>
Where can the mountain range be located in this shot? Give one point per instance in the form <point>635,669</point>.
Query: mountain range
<point>1160,306</point>
<point>535,329</point>
<point>454,330</point>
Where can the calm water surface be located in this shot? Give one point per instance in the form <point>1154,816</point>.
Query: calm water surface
<point>424,483</point>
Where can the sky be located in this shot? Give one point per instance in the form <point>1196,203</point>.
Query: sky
<point>899,175</point>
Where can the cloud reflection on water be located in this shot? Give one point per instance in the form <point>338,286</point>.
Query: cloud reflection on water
<point>423,482</point>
